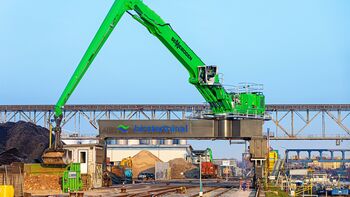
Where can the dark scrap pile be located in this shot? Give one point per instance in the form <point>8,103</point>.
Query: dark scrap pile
<point>22,142</point>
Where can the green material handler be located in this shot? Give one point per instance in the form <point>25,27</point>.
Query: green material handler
<point>243,103</point>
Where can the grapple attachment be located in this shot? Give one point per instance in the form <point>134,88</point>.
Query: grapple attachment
<point>55,157</point>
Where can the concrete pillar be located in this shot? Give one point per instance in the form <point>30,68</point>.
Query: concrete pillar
<point>309,155</point>
<point>332,155</point>
<point>104,166</point>
<point>298,155</point>
<point>134,142</point>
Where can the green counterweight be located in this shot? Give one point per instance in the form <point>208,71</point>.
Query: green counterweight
<point>204,78</point>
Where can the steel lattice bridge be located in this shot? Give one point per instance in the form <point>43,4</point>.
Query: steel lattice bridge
<point>288,121</point>
<point>320,158</point>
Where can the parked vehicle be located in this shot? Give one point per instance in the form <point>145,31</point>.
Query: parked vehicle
<point>340,192</point>
<point>146,176</point>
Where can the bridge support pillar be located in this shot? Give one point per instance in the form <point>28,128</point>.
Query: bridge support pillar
<point>332,155</point>
<point>259,150</point>
<point>298,155</point>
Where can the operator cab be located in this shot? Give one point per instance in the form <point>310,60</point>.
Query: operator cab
<point>248,100</point>
<point>207,74</point>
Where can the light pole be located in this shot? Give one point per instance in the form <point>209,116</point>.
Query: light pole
<point>200,176</point>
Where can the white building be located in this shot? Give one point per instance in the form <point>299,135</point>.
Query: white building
<point>90,155</point>
<point>117,152</point>
<point>165,150</point>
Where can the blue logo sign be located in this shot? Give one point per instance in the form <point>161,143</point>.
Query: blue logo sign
<point>139,128</point>
<point>123,128</point>
<point>160,129</point>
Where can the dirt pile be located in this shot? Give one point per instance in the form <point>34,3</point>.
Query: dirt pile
<point>181,169</point>
<point>42,182</point>
<point>144,161</point>
<point>27,138</point>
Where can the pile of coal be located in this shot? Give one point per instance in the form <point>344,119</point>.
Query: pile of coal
<point>22,142</point>
<point>10,156</point>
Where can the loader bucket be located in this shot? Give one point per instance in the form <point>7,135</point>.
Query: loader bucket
<point>55,157</point>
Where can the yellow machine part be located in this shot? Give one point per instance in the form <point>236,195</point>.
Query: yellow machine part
<point>7,191</point>
<point>126,162</point>
<point>273,157</point>
<point>55,157</point>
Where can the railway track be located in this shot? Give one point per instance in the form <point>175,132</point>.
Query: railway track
<point>159,192</point>
<point>165,190</point>
<point>208,192</point>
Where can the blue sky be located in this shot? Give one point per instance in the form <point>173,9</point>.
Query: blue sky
<point>298,49</point>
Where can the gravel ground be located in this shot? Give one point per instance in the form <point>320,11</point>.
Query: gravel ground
<point>144,188</point>
<point>240,193</point>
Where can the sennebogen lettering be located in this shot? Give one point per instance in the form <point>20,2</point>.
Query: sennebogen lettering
<point>178,46</point>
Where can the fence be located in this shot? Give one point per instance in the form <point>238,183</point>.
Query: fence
<point>13,175</point>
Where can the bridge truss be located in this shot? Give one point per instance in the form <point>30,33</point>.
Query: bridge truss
<point>288,121</point>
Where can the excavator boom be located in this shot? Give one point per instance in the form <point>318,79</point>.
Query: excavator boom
<point>215,95</point>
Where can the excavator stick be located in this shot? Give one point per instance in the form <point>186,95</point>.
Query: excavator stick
<point>56,155</point>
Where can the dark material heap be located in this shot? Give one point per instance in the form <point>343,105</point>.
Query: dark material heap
<point>22,142</point>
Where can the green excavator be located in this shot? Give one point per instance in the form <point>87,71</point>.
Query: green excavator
<point>247,101</point>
